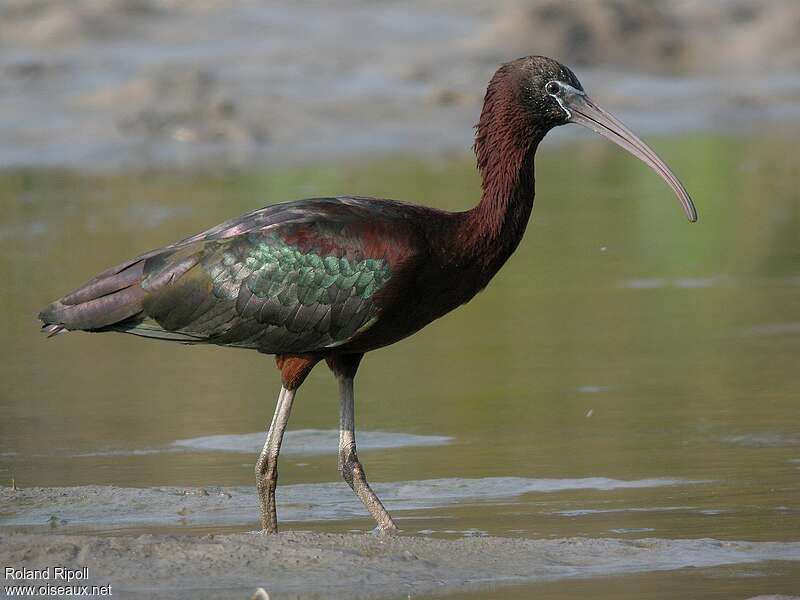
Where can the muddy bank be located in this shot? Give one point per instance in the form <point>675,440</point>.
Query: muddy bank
<point>360,566</point>
<point>120,83</point>
<point>739,36</point>
<point>47,527</point>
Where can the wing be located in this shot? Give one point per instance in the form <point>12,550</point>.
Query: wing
<point>301,279</point>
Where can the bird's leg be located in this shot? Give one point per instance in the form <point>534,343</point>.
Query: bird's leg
<point>267,464</point>
<point>294,369</point>
<point>350,466</point>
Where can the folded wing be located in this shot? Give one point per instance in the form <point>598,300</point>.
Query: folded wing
<point>297,277</point>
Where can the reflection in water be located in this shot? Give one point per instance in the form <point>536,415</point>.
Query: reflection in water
<point>773,329</point>
<point>679,282</point>
<point>762,439</point>
<point>303,441</point>
<point>309,441</point>
<point>613,345</point>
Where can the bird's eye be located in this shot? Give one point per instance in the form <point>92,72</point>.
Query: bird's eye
<point>552,88</point>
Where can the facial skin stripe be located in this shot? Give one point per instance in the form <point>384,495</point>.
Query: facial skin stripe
<point>565,90</point>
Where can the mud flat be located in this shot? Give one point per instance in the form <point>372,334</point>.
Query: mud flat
<point>98,508</point>
<point>359,566</point>
<point>101,528</point>
<point>48,527</point>
<point>97,84</point>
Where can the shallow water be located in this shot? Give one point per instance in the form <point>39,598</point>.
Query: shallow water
<point>619,344</point>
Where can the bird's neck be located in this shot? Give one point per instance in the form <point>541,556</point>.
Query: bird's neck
<point>505,145</point>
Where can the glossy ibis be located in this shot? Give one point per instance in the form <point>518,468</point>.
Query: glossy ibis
<point>333,278</point>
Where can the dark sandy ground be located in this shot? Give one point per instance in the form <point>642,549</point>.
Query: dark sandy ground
<point>48,527</point>
<point>359,566</point>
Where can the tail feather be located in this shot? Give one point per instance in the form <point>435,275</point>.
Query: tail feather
<point>107,282</point>
<point>111,297</point>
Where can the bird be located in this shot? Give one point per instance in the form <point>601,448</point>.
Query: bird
<point>332,278</point>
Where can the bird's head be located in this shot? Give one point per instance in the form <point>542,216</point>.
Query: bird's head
<point>541,93</point>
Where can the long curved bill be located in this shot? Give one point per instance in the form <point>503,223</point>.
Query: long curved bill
<point>583,111</point>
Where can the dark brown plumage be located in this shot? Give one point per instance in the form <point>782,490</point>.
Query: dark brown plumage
<point>333,278</point>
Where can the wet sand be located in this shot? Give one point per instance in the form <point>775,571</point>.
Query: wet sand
<point>47,527</point>
<point>98,508</point>
<point>359,566</point>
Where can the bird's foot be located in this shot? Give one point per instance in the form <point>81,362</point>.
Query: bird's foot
<point>268,531</point>
<point>384,531</point>
<point>269,527</point>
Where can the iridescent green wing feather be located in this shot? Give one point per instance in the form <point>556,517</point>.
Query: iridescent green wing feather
<point>293,277</point>
<point>259,290</point>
